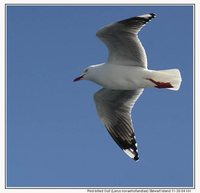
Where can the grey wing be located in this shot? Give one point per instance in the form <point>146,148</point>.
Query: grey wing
<point>114,108</point>
<point>123,43</point>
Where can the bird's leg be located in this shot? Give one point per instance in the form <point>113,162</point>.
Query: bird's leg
<point>161,84</point>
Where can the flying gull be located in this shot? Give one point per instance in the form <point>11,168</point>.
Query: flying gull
<point>123,78</point>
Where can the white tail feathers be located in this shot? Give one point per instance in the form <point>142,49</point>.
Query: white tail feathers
<point>171,76</point>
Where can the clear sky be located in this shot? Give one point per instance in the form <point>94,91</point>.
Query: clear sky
<point>54,135</point>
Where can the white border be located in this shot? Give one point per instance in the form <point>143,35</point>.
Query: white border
<point>87,3</point>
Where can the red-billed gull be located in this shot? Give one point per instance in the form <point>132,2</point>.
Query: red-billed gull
<point>123,78</point>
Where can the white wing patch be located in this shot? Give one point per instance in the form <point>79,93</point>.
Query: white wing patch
<point>130,153</point>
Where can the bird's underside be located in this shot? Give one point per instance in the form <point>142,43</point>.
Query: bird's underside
<point>123,78</point>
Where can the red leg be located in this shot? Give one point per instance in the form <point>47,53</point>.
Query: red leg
<point>161,84</point>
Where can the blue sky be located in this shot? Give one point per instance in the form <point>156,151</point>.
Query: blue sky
<point>54,135</point>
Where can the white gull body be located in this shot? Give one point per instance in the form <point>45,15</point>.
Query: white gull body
<point>123,78</point>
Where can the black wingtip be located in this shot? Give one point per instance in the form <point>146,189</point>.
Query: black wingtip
<point>141,18</point>
<point>136,158</point>
<point>153,15</point>
<point>146,17</point>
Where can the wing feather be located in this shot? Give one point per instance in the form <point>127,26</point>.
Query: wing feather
<point>123,43</point>
<point>114,108</point>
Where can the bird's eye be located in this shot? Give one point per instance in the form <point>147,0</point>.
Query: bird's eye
<point>86,70</point>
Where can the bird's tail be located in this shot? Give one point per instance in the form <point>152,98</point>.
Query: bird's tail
<point>170,79</point>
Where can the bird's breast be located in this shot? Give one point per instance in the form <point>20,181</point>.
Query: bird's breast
<point>121,77</point>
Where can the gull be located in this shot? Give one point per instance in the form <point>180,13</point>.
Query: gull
<point>123,78</point>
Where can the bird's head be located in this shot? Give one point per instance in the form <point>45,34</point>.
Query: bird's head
<point>85,75</point>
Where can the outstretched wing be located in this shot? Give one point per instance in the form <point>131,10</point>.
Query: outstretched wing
<point>114,108</point>
<point>123,43</point>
